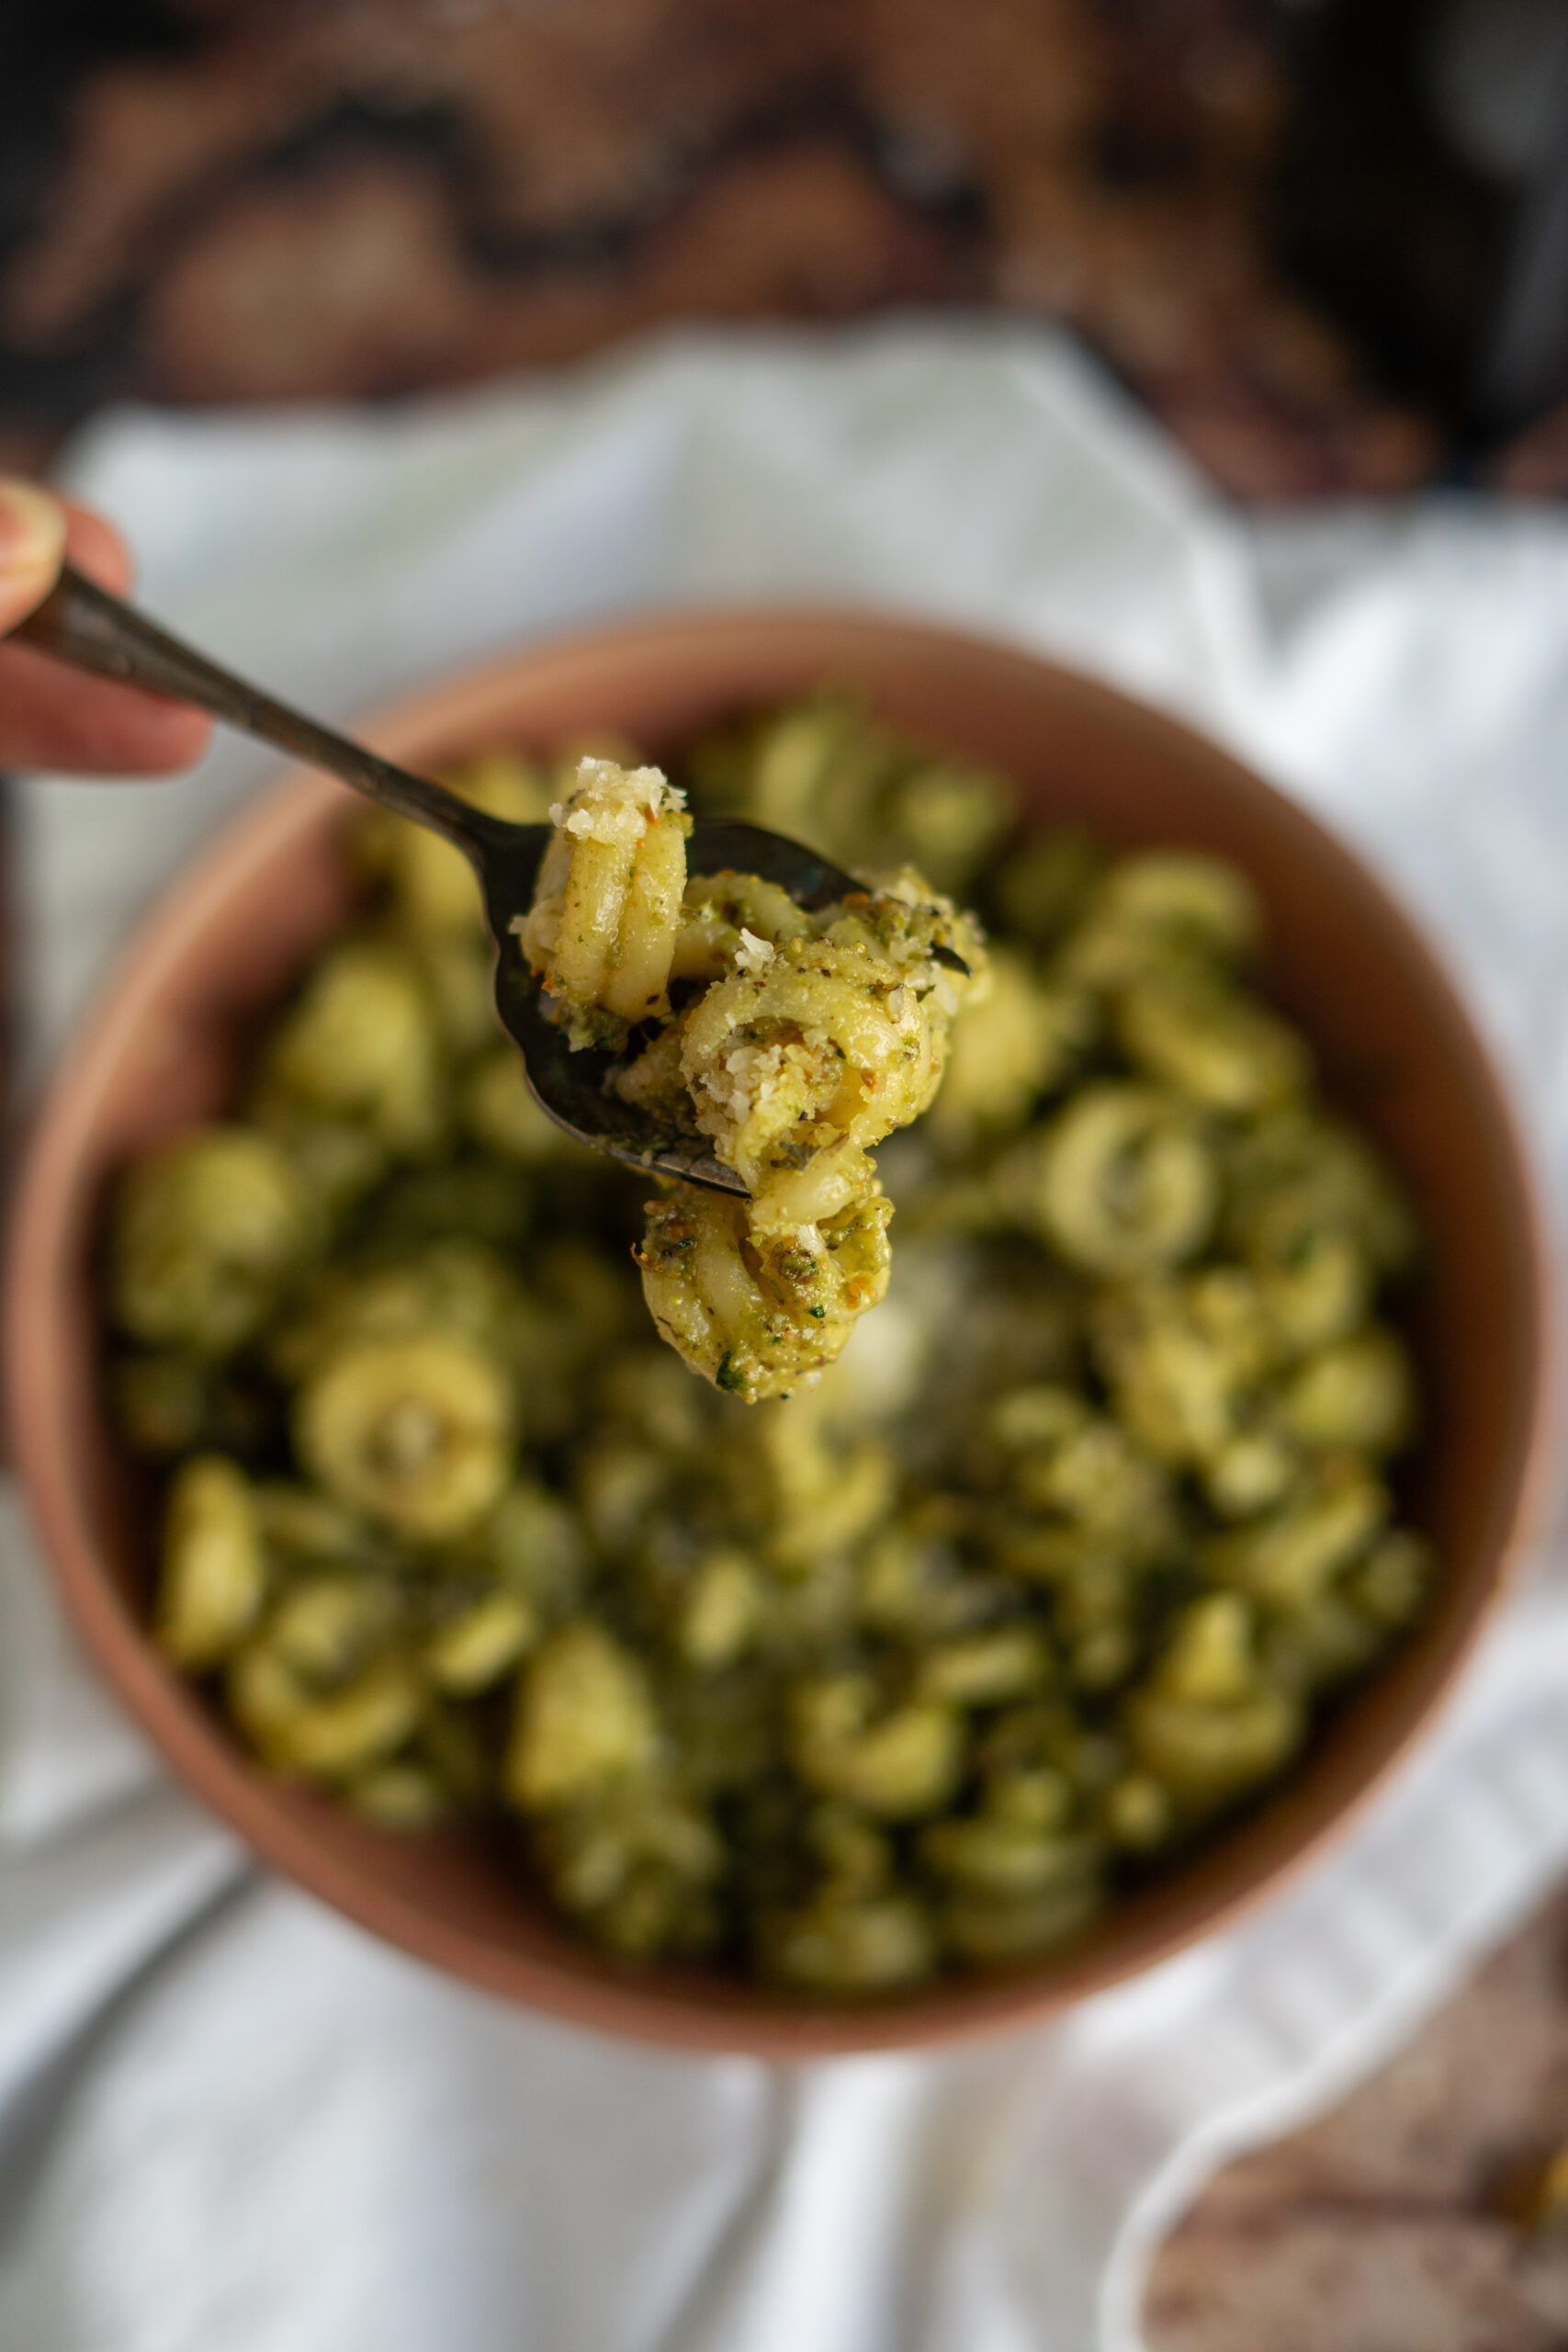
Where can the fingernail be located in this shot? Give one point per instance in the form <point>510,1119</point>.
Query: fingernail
<point>32,530</point>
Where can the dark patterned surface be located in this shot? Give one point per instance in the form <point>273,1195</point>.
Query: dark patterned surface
<point>203,200</point>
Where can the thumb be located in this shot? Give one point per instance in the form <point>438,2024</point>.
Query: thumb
<point>32,542</point>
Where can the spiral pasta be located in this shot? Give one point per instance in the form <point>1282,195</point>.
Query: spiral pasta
<point>606,911</point>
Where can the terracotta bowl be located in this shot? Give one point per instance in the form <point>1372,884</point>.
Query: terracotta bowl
<point>1398,1055</point>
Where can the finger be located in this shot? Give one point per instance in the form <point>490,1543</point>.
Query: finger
<point>52,717</point>
<point>32,540</point>
<point>95,548</point>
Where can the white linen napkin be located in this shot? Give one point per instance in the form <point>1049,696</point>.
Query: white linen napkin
<point>227,2119</point>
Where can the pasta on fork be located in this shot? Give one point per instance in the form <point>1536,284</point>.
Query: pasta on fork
<point>795,1042</point>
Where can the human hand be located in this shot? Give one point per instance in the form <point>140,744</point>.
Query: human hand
<point>55,718</point>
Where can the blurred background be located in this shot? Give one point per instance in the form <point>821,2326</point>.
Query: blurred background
<point>1325,241</point>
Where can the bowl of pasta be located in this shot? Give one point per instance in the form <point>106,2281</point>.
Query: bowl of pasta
<point>889,1600</point>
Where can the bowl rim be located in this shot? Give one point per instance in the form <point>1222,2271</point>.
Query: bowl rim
<point>660,2007</point>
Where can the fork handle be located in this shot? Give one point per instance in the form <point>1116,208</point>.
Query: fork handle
<point>82,623</point>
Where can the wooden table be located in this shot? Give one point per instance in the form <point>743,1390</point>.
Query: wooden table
<point>1393,2224</point>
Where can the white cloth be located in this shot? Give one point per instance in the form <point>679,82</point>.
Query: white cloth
<point>228,2119</point>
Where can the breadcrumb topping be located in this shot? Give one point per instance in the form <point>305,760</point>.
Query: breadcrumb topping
<point>615,805</point>
<point>753,955</point>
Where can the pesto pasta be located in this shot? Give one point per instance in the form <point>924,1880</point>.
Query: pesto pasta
<point>793,1041</point>
<point>1051,1570</point>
